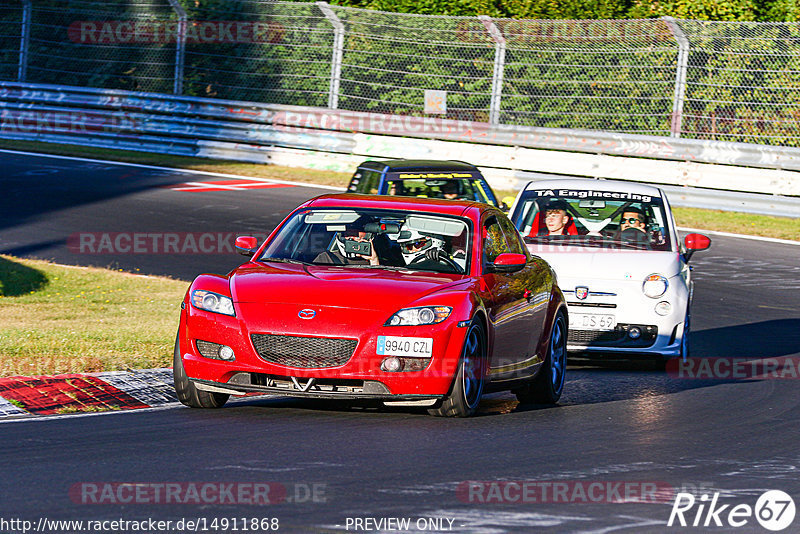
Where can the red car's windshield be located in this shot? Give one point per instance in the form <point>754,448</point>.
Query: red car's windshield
<point>373,238</point>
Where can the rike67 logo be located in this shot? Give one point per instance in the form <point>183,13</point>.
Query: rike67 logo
<point>774,510</point>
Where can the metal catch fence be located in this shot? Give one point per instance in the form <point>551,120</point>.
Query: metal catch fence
<point>659,77</point>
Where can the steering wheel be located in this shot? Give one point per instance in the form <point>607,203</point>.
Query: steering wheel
<point>634,236</point>
<point>456,268</point>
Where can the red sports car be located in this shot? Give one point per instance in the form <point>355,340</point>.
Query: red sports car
<point>409,301</point>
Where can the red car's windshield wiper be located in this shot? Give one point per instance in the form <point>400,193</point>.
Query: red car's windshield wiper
<point>552,239</point>
<point>387,267</point>
<point>286,260</point>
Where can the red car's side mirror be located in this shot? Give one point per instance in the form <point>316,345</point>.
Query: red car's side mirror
<point>508,263</point>
<point>246,245</point>
<point>695,242</point>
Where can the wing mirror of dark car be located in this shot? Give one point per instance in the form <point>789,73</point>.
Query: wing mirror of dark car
<point>508,263</point>
<point>695,242</point>
<point>246,245</point>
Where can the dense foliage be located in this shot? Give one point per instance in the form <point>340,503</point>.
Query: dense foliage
<point>730,10</point>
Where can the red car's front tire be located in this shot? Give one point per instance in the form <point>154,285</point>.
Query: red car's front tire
<point>187,392</point>
<point>467,389</point>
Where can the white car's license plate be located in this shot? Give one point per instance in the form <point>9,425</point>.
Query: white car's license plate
<point>592,321</point>
<point>414,347</point>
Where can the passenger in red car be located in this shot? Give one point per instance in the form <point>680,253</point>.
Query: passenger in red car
<point>340,255</point>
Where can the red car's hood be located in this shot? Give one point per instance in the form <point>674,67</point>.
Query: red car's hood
<point>330,286</point>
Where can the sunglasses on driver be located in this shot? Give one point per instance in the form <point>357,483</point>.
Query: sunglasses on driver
<point>418,244</point>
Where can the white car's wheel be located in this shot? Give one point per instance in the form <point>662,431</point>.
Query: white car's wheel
<point>685,338</point>
<point>662,364</point>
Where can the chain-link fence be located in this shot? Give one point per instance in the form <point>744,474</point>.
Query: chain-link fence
<point>10,36</point>
<point>92,43</point>
<point>743,82</point>
<point>708,80</point>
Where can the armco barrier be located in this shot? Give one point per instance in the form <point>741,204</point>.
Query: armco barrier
<point>337,140</point>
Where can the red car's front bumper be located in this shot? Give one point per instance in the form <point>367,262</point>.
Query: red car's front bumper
<point>360,376</point>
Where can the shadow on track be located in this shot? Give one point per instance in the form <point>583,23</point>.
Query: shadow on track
<point>59,184</point>
<point>766,339</point>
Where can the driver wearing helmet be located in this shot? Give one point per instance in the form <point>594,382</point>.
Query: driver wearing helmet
<point>426,251</point>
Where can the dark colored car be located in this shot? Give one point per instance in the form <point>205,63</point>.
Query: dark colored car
<point>452,180</point>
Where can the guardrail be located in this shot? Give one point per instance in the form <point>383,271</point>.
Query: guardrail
<point>338,140</point>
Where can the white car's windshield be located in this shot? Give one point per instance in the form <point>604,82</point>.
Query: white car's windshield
<point>592,218</point>
<point>373,238</point>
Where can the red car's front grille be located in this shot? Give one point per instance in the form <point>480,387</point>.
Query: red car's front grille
<point>305,352</point>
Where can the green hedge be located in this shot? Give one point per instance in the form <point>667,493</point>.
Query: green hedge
<point>613,75</point>
<point>729,10</point>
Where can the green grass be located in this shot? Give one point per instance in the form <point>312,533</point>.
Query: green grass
<point>743,223</point>
<point>86,409</point>
<point>58,319</point>
<point>739,223</point>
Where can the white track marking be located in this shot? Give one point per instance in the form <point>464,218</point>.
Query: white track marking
<point>9,409</point>
<point>329,187</point>
<point>38,418</point>
<point>741,236</point>
<point>197,186</point>
<point>152,387</point>
<point>171,169</point>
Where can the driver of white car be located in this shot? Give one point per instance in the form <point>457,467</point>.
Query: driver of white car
<point>633,226</point>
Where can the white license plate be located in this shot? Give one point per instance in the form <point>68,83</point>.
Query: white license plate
<point>414,347</point>
<point>592,321</point>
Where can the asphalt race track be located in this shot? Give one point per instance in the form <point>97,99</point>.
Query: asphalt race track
<point>331,465</point>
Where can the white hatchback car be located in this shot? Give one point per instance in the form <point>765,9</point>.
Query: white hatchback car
<point>619,262</point>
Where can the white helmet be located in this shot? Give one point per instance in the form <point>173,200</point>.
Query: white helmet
<point>414,244</point>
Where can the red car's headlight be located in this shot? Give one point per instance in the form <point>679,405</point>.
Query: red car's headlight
<point>213,302</point>
<point>419,316</point>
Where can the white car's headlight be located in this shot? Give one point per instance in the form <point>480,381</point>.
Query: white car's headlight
<point>655,285</point>
<point>213,302</point>
<point>419,316</point>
